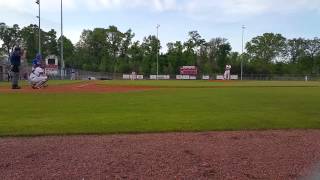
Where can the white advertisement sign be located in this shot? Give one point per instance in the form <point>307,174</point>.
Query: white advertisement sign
<point>179,77</point>
<point>160,77</point>
<point>126,77</point>
<point>205,77</point>
<point>186,77</point>
<point>193,77</point>
<point>220,77</point>
<point>139,77</point>
<point>234,77</point>
<point>131,77</point>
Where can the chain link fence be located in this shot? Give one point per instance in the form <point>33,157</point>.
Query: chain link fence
<point>80,74</point>
<point>281,77</point>
<point>90,75</point>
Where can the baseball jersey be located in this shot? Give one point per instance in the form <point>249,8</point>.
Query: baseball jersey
<point>36,72</point>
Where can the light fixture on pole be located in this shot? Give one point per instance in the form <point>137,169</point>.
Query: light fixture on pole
<point>243,28</point>
<point>158,26</point>
<point>61,47</point>
<point>39,17</point>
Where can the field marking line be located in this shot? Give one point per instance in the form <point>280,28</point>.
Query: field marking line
<point>83,85</point>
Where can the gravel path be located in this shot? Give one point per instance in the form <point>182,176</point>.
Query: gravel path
<point>213,155</point>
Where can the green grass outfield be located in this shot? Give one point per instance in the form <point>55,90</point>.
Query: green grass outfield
<point>208,84</point>
<point>177,106</point>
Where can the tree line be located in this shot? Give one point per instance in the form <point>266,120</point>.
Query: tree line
<point>110,50</point>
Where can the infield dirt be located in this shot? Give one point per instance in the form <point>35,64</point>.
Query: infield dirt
<point>86,87</point>
<point>213,155</point>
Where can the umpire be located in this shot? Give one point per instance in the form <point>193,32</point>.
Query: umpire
<point>15,61</point>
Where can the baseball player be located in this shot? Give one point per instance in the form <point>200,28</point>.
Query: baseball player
<point>227,72</point>
<point>37,78</point>
<point>15,60</point>
<point>37,61</point>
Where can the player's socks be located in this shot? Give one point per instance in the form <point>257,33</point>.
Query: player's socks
<point>42,85</point>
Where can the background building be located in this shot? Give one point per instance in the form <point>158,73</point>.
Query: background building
<point>4,66</point>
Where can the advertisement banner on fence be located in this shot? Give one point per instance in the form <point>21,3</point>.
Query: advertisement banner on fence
<point>220,77</point>
<point>205,77</point>
<point>185,77</point>
<point>126,77</point>
<point>234,77</point>
<point>193,77</point>
<point>139,77</point>
<point>132,77</point>
<point>160,77</point>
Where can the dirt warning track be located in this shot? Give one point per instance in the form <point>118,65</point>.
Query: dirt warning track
<point>213,155</point>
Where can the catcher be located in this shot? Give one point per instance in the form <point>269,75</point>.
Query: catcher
<point>37,77</point>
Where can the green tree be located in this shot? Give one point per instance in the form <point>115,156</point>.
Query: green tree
<point>30,39</point>
<point>114,41</point>
<point>192,47</point>
<point>126,43</point>
<point>50,44</point>
<point>312,51</point>
<point>91,49</point>
<point>218,51</point>
<point>296,48</point>
<point>175,57</point>
<point>68,51</point>
<point>267,47</point>
<point>150,46</point>
<point>234,59</point>
<point>135,54</point>
<point>10,36</point>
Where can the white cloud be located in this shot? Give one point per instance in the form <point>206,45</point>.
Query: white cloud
<point>30,5</point>
<point>154,5</point>
<point>54,5</point>
<point>225,6</point>
<point>233,10</point>
<point>201,8</point>
<point>14,5</point>
<point>73,34</point>
<point>214,10</point>
<point>23,12</point>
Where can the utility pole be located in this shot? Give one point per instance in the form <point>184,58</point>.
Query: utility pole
<point>61,48</point>
<point>243,28</point>
<point>158,26</point>
<point>39,17</point>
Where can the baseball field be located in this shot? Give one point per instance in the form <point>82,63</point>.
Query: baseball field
<point>197,129</point>
<point>159,106</point>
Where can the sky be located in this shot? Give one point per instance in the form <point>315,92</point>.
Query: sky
<point>211,18</point>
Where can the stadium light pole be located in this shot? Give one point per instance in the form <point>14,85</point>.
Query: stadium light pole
<point>243,28</point>
<point>158,26</point>
<point>39,17</point>
<point>61,39</point>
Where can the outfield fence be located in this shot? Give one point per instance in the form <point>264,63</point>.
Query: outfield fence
<point>281,77</point>
<point>80,74</point>
<point>90,75</point>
